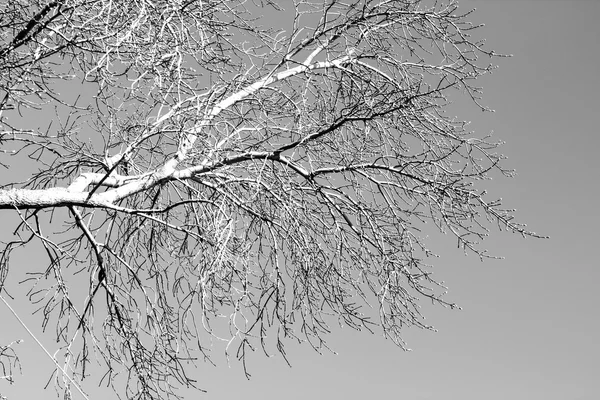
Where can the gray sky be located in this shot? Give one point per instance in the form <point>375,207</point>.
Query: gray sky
<point>529,325</point>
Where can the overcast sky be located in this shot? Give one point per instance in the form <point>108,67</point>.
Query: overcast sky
<point>530,323</point>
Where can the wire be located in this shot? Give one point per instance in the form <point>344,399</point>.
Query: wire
<point>46,351</point>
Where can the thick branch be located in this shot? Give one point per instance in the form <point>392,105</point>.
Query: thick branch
<point>54,197</point>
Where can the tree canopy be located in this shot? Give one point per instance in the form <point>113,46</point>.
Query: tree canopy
<point>254,172</point>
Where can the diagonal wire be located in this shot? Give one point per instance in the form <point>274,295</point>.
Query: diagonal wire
<point>46,351</point>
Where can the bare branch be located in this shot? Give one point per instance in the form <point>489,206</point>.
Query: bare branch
<point>227,178</point>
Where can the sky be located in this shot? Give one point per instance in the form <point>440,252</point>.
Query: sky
<point>529,323</point>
